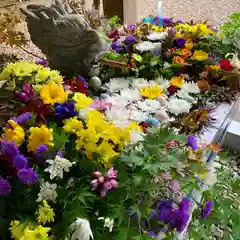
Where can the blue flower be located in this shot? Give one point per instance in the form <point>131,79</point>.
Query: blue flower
<point>40,152</point>
<point>65,110</point>
<point>23,118</point>
<point>152,234</point>
<point>148,20</point>
<point>207,209</point>
<point>130,40</point>
<point>5,186</point>
<point>179,42</point>
<point>19,161</point>
<point>42,62</point>
<point>116,47</point>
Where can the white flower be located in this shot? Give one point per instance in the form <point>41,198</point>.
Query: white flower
<point>108,223</point>
<point>190,87</point>
<point>166,65</point>
<point>136,115</point>
<point>117,101</point>
<point>138,82</point>
<point>135,137</point>
<point>162,116</point>
<point>157,45</point>
<point>184,95</point>
<point>116,114</point>
<point>145,46</point>
<point>116,84</point>
<point>178,106</point>
<point>163,83</point>
<point>149,105</point>
<point>82,230</point>
<point>57,166</point>
<point>47,192</point>
<point>70,183</point>
<point>130,94</point>
<point>157,36</point>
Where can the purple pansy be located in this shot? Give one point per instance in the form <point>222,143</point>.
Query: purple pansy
<point>130,40</point>
<point>116,46</point>
<point>42,62</point>
<point>65,110</point>
<point>23,118</point>
<point>9,149</point>
<point>27,94</point>
<point>19,161</point>
<point>40,152</point>
<point>152,234</point>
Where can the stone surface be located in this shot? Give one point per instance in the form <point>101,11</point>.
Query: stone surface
<point>67,40</point>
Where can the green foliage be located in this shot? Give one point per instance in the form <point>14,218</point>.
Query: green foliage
<point>224,220</point>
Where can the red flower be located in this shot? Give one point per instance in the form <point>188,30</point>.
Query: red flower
<point>39,108</point>
<point>225,65</point>
<point>144,126</point>
<point>77,85</point>
<point>172,89</point>
<point>113,34</point>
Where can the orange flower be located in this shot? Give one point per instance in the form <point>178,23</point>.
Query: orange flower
<point>178,60</point>
<point>203,85</point>
<point>177,81</point>
<point>215,147</point>
<point>186,53</point>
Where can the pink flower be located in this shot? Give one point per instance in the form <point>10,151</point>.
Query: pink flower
<point>175,186</point>
<point>100,104</point>
<point>112,173</point>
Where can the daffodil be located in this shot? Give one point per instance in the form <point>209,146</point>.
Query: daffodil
<point>38,136</point>
<point>81,101</point>
<point>177,81</point>
<point>200,55</point>
<point>45,213</point>
<point>14,132</point>
<point>53,93</point>
<point>72,125</point>
<point>151,92</point>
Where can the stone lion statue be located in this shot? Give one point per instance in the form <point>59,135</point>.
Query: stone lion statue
<point>67,40</point>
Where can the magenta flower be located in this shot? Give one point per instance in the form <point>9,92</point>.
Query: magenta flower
<point>27,94</point>
<point>100,104</point>
<point>103,184</point>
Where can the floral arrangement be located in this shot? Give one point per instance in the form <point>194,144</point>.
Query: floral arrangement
<point>71,169</point>
<point>166,48</point>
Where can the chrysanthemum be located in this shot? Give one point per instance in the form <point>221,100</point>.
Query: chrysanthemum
<point>81,101</point>
<point>47,192</point>
<point>27,176</point>
<point>72,125</point>
<point>152,92</point>
<point>37,233</point>
<point>53,93</point>
<point>45,213</point>
<point>178,106</point>
<point>40,135</point>
<point>145,46</point>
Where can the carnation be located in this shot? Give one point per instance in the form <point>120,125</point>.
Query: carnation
<point>157,36</point>
<point>145,46</point>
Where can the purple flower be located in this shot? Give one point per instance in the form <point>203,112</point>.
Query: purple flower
<point>5,186</point>
<point>116,47</point>
<point>158,52</point>
<point>179,21</point>
<point>131,27</point>
<point>40,151</point>
<point>179,220</point>
<point>206,211</point>
<point>65,110</point>
<point>23,118</point>
<point>179,42</point>
<point>175,186</point>
<point>9,149</point>
<point>185,205</point>
<point>27,94</point>
<point>112,173</point>
<point>19,161</point>
<point>27,176</point>
<point>130,40</point>
<point>165,211</point>
<point>152,234</point>
<point>42,62</point>
<point>192,142</point>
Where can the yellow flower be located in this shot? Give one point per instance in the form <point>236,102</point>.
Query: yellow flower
<point>177,81</point>
<point>40,135</point>
<point>39,233</point>
<point>152,92</point>
<point>72,125</point>
<point>82,101</point>
<point>13,133</point>
<point>52,93</point>
<point>200,55</point>
<point>48,76</point>
<point>19,71</point>
<point>215,68</point>
<point>45,213</point>
<point>179,35</point>
<point>157,29</point>
<point>17,229</point>
<point>189,45</point>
